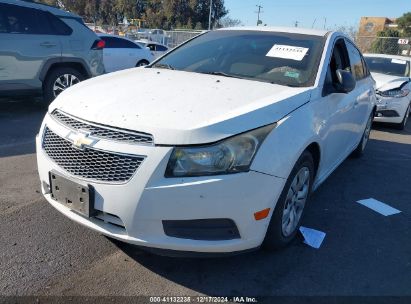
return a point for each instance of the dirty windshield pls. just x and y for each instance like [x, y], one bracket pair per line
[280, 58]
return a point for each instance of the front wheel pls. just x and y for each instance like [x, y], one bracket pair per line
[290, 207]
[142, 63]
[401, 125]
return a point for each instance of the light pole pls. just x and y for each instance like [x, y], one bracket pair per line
[258, 16]
[209, 16]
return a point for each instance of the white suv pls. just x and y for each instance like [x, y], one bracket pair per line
[44, 50]
[221, 147]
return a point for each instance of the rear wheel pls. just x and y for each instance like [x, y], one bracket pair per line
[401, 125]
[58, 80]
[359, 151]
[142, 63]
[289, 210]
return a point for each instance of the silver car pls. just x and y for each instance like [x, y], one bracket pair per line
[44, 50]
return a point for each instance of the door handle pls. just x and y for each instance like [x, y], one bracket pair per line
[47, 44]
[356, 103]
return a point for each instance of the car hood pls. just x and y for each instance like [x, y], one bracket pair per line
[388, 82]
[179, 108]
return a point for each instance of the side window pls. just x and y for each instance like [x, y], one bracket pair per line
[161, 48]
[3, 19]
[365, 67]
[117, 43]
[20, 20]
[129, 45]
[152, 47]
[339, 61]
[58, 26]
[356, 62]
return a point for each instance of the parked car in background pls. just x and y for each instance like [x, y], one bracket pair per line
[156, 49]
[44, 50]
[158, 35]
[221, 147]
[122, 53]
[392, 74]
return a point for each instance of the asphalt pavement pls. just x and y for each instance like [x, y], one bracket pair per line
[363, 254]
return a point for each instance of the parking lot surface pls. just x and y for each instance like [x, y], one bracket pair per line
[364, 253]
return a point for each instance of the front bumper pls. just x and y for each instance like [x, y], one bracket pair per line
[391, 110]
[134, 211]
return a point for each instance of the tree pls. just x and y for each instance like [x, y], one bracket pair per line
[229, 22]
[388, 45]
[404, 24]
[166, 14]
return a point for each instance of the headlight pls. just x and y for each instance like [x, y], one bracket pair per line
[231, 155]
[396, 93]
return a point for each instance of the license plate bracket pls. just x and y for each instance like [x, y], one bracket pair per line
[75, 195]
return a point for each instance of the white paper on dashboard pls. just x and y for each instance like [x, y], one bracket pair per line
[312, 237]
[398, 61]
[378, 206]
[287, 52]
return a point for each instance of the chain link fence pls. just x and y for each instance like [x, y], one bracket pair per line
[384, 45]
[169, 38]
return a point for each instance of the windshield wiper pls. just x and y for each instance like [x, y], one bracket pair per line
[222, 74]
[163, 66]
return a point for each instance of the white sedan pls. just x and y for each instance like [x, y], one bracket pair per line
[392, 74]
[121, 53]
[221, 147]
[156, 49]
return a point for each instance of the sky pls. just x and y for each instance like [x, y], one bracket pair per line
[331, 13]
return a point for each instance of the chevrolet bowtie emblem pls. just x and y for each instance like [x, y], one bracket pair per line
[81, 139]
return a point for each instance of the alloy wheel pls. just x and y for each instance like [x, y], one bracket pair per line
[63, 82]
[295, 202]
[366, 135]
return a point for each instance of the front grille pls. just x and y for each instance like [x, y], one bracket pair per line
[103, 132]
[90, 163]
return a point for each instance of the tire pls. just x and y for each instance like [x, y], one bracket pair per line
[142, 63]
[280, 234]
[359, 151]
[401, 125]
[57, 81]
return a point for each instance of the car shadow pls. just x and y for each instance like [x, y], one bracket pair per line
[357, 240]
[391, 128]
[20, 120]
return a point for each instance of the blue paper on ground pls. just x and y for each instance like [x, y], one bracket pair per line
[378, 206]
[312, 237]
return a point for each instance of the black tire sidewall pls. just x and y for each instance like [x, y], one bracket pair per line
[142, 61]
[401, 126]
[48, 95]
[274, 238]
[359, 151]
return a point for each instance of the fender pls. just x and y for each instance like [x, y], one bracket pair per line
[47, 65]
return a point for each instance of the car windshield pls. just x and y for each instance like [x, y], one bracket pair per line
[280, 58]
[389, 66]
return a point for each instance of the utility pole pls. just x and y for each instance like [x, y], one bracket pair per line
[258, 16]
[209, 16]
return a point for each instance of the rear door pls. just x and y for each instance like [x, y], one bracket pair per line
[120, 54]
[363, 93]
[28, 41]
[339, 108]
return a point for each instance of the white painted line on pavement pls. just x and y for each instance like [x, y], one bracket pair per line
[378, 206]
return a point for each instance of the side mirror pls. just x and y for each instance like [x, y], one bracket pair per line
[346, 82]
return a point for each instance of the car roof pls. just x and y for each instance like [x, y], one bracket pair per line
[115, 36]
[31, 4]
[387, 56]
[291, 30]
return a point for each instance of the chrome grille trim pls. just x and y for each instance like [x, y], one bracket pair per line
[102, 131]
[90, 163]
